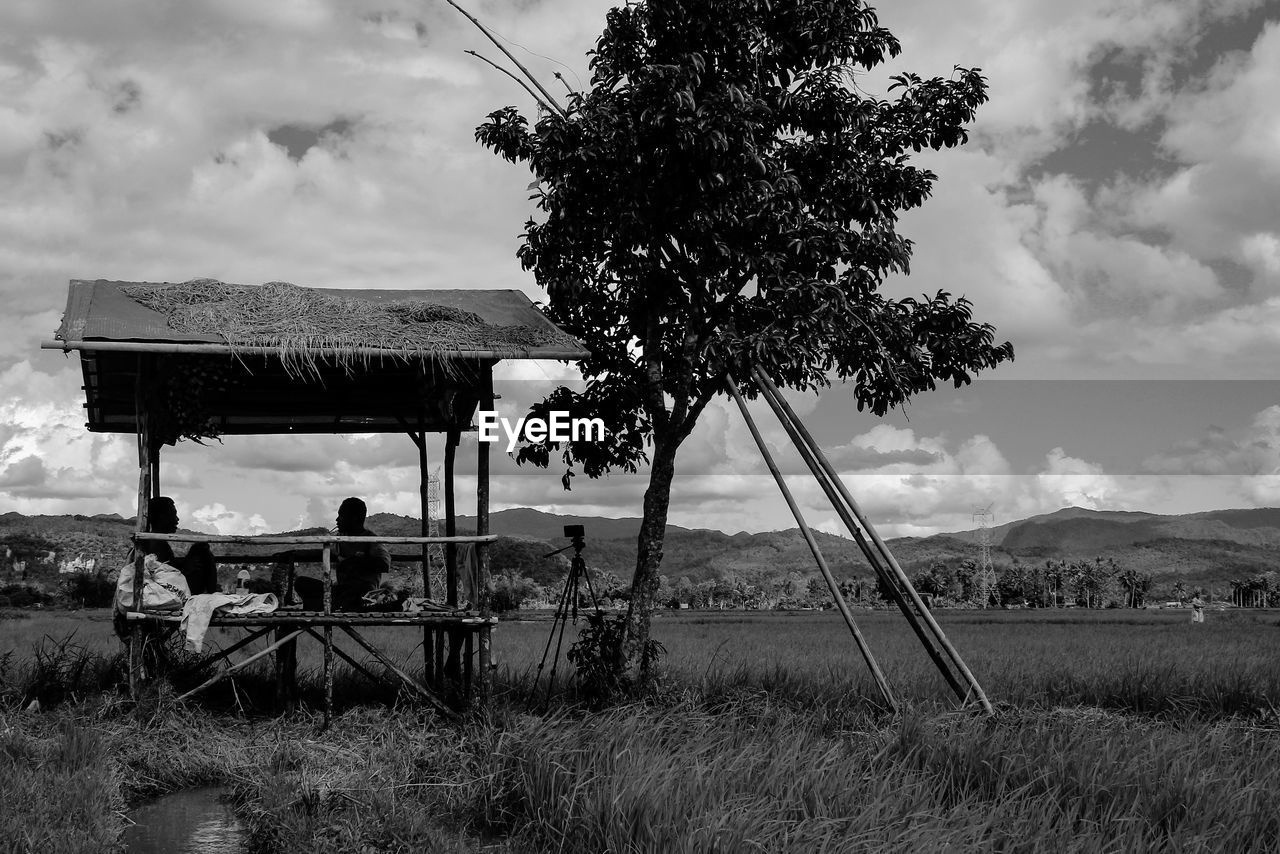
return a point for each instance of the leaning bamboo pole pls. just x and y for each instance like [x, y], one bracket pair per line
[783, 408]
[877, 674]
[887, 579]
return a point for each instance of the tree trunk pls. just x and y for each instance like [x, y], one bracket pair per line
[653, 531]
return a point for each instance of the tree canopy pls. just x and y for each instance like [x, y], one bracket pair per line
[725, 195]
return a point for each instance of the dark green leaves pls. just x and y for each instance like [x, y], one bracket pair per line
[722, 196]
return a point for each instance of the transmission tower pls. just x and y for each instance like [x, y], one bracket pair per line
[435, 551]
[986, 580]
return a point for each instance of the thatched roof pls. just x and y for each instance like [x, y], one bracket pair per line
[217, 359]
[304, 324]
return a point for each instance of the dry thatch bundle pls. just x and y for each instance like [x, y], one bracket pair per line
[308, 327]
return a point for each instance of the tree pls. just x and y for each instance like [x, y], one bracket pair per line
[1135, 584]
[817, 594]
[725, 197]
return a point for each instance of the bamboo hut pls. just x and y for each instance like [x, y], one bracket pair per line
[204, 359]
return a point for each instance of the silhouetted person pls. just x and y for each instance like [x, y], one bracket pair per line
[197, 566]
[360, 565]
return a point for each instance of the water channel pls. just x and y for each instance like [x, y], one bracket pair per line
[189, 821]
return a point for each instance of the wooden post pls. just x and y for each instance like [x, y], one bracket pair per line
[876, 673]
[452, 438]
[482, 549]
[787, 415]
[327, 569]
[142, 417]
[437, 672]
[155, 468]
[486, 665]
[424, 502]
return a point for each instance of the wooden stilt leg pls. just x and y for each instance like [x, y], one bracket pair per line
[438, 671]
[467, 669]
[428, 654]
[486, 667]
[135, 661]
[286, 671]
[328, 675]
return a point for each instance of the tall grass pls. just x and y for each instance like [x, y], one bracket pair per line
[639, 779]
[1134, 732]
[59, 791]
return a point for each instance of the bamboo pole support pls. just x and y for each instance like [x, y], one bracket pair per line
[485, 640]
[424, 502]
[975, 688]
[326, 565]
[286, 670]
[481, 549]
[338, 651]
[438, 671]
[222, 653]
[886, 578]
[452, 437]
[241, 665]
[450, 518]
[418, 689]
[154, 455]
[876, 673]
[314, 539]
[142, 418]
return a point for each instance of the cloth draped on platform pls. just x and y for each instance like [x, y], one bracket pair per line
[199, 610]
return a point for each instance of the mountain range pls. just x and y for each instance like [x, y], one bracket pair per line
[1205, 549]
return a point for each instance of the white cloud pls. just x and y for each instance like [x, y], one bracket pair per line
[1253, 452]
[223, 521]
[133, 144]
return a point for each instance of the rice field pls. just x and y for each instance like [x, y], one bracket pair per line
[1115, 731]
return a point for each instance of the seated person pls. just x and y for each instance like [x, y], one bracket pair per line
[360, 565]
[197, 566]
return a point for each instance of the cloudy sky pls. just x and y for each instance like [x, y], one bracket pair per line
[1116, 216]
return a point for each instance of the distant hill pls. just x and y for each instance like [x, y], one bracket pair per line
[1201, 548]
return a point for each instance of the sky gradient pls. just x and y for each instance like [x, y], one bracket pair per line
[1116, 215]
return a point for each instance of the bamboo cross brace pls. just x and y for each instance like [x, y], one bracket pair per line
[235, 667]
[408, 680]
[344, 655]
[222, 653]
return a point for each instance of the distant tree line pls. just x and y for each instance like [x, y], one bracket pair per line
[1100, 582]
[1096, 583]
[1259, 591]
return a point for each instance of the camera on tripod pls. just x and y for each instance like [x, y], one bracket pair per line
[567, 606]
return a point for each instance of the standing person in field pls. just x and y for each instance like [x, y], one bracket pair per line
[197, 566]
[1197, 609]
[360, 565]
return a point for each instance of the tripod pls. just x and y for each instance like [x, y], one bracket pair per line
[567, 606]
